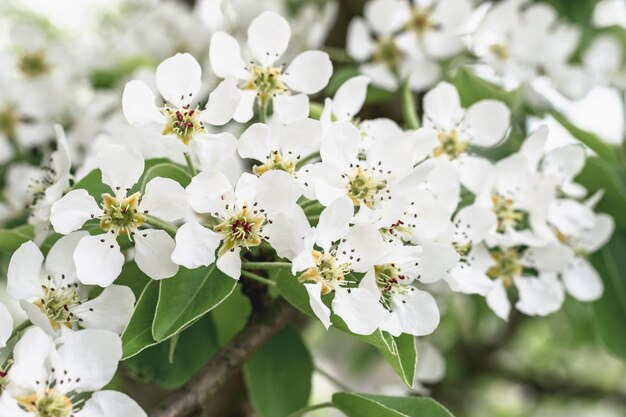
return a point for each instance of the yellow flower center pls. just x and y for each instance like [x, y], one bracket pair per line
[501, 51]
[266, 81]
[277, 162]
[121, 215]
[388, 52]
[362, 187]
[241, 230]
[327, 270]
[34, 64]
[9, 119]
[450, 144]
[56, 304]
[51, 404]
[506, 215]
[420, 21]
[507, 266]
[183, 123]
[389, 281]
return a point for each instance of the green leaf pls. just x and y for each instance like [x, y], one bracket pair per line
[134, 278]
[279, 375]
[138, 333]
[172, 364]
[603, 149]
[610, 310]
[472, 88]
[365, 405]
[165, 170]
[12, 239]
[231, 316]
[601, 175]
[187, 296]
[398, 351]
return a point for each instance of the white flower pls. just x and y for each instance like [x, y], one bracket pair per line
[98, 258]
[6, 326]
[178, 80]
[604, 60]
[240, 215]
[347, 102]
[282, 147]
[268, 38]
[53, 298]
[46, 380]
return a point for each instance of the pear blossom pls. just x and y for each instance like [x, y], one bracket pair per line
[178, 81]
[98, 258]
[347, 102]
[262, 79]
[53, 298]
[6, 326]
[240, 215]
[47, 378]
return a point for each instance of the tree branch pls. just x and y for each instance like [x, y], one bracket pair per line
[199, 390]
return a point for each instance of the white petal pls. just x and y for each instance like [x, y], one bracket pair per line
[487, 121]
[268, 37]
[309, 72]
[441, 44]
[121, 166]
[288, 109]
[60, 259]
[138, 104]
[475, 172]
[212, 149]
[436, 261]
[564, 163]
[111, 404]
[533, 146]
[359, 308]
[38, 318]
[225, 56]
[359, 44]
[195, 246]
[417, 311]
[334, 222]
[473, 224]
[442, 106]
[178, 79]
[165, 199]
[350, 97]
[222, 104]
[30, 356]
[539, 296]
[153, 253]
[24, 274]
[267, 195]
[498, 301]
[98, 260]
[468, 280]
[287, 231]
[599, 235]
[386, 16]
[72, 211]
[317, 305]
[301, 137]
[230, 263]
[381, 75]
[111, 310]
[582, 281]
[245, 110]
[88, 359]
[6, 325]
[208, 192]
[255, 143]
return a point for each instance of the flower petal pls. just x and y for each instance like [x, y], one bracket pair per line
[292, 108]
[317, 305]
[209, 192]
[24, 274]
[359, 44]
[178, 79]
[195, 246]
[309, 72]
[121, 166]
[498, 301]
[138, 104]
[98, 260]
[230, 263]
[60, 259]
[6, 325]
[539, 296]
[111, 310]
[165, 199]
[222, 104]
[487, 122]
[153, 253]
[417, 311]
[72, 211]
[254, 142]
[582, 281]
[350, 97]
[268, 37]
[442, 107]
[111, 404]
[334, 222]
[211, 149]
[225, 57]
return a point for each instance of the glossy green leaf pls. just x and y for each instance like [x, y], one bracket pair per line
[138, 333]
[279, 375]
[189, 351]
[187, 296]
[365, 405]
[398, 351]
[134, 278]
[165, 170]
[231, 316]
[610, 310]
[601, 175]
[472, 88]
[11, 239]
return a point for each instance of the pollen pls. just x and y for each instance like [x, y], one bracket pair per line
[362, 187]
[506, 215]
[450, 144]
[183, 123]
[327, 270]
[507, 266]
[121, 214]
[50, 403]
[390, 281]
[266, 81]
[275, 161]
[243, 229]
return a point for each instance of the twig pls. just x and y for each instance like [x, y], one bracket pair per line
[212, 377]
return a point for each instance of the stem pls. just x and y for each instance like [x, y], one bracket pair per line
[313, 218]
[192, 169]
[20, 328]
[161, 224]
[308, 158]
[409, 111]
[332, 379]
[308, 203]
[305, 410]
[257, 278]
[265, 266]
[262, 112]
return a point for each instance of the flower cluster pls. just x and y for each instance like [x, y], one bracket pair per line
[234, 165]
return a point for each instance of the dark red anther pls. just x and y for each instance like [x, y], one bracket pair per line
[179, 116]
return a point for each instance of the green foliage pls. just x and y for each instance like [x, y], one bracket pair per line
[473, 88]
[173, 363]
[365, 405]
[187, 296]
[398, 351]
[279, 375]
[165, 170]
[11, 239]
[138, 333]
[599, 174]
[231, 316]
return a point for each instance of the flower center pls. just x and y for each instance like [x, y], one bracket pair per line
[266, 81]
[241, 230]
[51, 404]
[388, 52]
[34, 64]
[500, 51]
[327, 270]
[183, 123]
[507, 266]
[121, 214]
[420, 21]
[389, 281]
[450, 144]
[9, 119]
[276, 161]
[57, 303]
[506, 215]
[362, 187]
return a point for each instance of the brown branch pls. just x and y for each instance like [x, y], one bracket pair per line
[202, 387]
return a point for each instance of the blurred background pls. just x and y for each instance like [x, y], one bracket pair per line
[475, 364]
